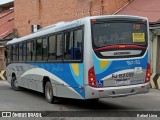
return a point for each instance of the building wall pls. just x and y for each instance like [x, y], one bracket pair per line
[6, 32]
[2, 59]
[47, 12]
[158, 55]
[155, 50]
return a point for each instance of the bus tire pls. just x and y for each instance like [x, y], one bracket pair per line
[14, 84]
[49, 92]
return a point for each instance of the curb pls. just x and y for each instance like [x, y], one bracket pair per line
[155, 81]
[3, 75]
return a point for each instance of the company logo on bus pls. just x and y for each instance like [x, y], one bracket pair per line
[122, 53]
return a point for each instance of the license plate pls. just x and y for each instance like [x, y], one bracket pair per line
[122, 82]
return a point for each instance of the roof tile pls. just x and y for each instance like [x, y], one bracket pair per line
[145, 8]
[6, 23]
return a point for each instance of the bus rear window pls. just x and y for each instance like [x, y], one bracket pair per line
[115, 33]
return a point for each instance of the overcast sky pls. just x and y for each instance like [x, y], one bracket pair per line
[5, 1]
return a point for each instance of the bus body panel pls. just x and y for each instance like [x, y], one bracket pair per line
[31, 76]
[105, 68]
[110, 73]
[70, 80]
[120, 91]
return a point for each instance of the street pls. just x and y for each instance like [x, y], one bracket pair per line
[27, 100]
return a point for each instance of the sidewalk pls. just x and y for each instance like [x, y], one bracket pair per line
[3, 82]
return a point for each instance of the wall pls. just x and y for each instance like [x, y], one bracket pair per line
[154, 50]
[2, 59]
[47, 12]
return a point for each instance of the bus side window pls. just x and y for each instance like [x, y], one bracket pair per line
[24, 51]
[68, 45]
[8, 54]
[78, 38]
[59, 52]
[39, 50]
[29, 51]
[11, 52]
[15, 52]
[73, 45]
[45, 48]
[52, 48]
[20, 52]
[33, 49]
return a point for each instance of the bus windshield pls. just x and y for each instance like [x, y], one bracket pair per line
[115, 33]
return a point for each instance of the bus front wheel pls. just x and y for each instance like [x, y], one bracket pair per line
[14, 84]
[49, 92]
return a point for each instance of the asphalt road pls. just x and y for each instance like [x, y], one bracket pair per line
[28, 100]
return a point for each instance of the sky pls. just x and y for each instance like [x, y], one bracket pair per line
[5, 1]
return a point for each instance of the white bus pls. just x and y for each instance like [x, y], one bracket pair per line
[89, 58]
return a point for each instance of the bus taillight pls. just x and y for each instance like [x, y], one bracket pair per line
[91, 78]
[148, 73]
[122, 46]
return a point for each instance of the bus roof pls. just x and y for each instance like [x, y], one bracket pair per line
[66, 25]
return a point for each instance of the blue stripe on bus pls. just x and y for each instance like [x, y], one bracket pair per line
[114, 66]
[66, 73]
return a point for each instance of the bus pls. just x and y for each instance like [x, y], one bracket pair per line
[89, 58]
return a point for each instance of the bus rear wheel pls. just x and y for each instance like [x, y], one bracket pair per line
[49, 92]
[14, 84]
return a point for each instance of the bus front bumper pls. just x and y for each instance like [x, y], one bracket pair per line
[119, 91]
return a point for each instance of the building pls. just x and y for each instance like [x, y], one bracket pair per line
[7, 31]
[155, 46]
[47, 12]
[151, 10]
